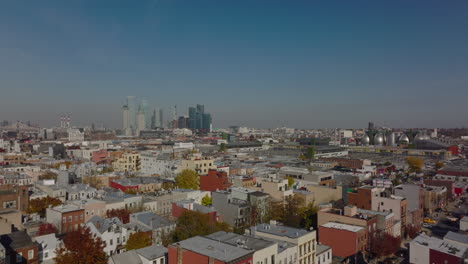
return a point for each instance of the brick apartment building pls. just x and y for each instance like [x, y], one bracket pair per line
[14, 197]
[65, 218]
[201, 250]
[345, 240]
[214, 180]
[443, 183]
[19, 248]
[362, 197]
[348, 163]
[350, 216]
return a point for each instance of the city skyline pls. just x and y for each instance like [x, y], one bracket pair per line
[256, 64]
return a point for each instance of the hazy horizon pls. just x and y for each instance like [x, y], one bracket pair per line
[265, 64]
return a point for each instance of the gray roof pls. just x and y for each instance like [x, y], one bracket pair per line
[126, 257]
[246, 242]
[282, 245]
[150, 219]
[16, 240]
[457, 237]
[321, 248]
[152, 252]
[464, 219]
[212, 248]
[102, 224]
[279, 230]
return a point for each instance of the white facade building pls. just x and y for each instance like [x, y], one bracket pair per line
[111, 231]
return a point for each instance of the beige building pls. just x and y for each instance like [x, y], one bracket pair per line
[10, 219]
[306, 241]
[127, 162]
[91, 207]
[199, 164]
[278, 189]
[324, 194]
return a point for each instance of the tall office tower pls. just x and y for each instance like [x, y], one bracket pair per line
[153, 120]
[192, 117]
[126, 121]
[132, 108]
[206, 122]
[141, 124]
[198, 119]
[161, 118]
[144, 107]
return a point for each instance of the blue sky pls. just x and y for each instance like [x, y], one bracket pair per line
[304, 64]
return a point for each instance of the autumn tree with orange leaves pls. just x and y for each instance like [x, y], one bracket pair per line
[122, 214]
[80, 247]
[40, 205]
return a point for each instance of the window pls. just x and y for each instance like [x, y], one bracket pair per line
[64, 219]
[70, 218]
[111, 242]
[81, 216]
[118, 240]
[19, 258]
[31, 254]
[46, 254]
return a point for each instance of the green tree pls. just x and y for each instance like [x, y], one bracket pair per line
[222, 147]
[193, 223]
[138, 240]
[415, 164]
[309, 216]
[310, 153]
[81, 247]
[188, 179]
[206, 200]
[290, 181]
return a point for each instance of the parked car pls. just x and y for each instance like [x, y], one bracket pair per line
[429, 220]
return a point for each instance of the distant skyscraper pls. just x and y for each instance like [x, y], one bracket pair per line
[198, 119]
[126, 121]
[161, 118]
[144, 108]
[132, 108]
[153, 120]
[141, 121]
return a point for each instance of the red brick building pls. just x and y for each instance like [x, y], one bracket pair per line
[201, 250]
[65, 218]
[361, 198]
[19, 248]
[123, 187]
[214, 180]
[14, 197]
[443, 183]
[345, 240]
[348, 163]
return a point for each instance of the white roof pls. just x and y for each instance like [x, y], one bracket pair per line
[335, 225]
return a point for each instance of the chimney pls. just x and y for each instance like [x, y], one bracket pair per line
[350, 210]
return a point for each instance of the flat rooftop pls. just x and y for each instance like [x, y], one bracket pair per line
[346, 227]
[444, 246]
[214, 249]
[280, 230]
